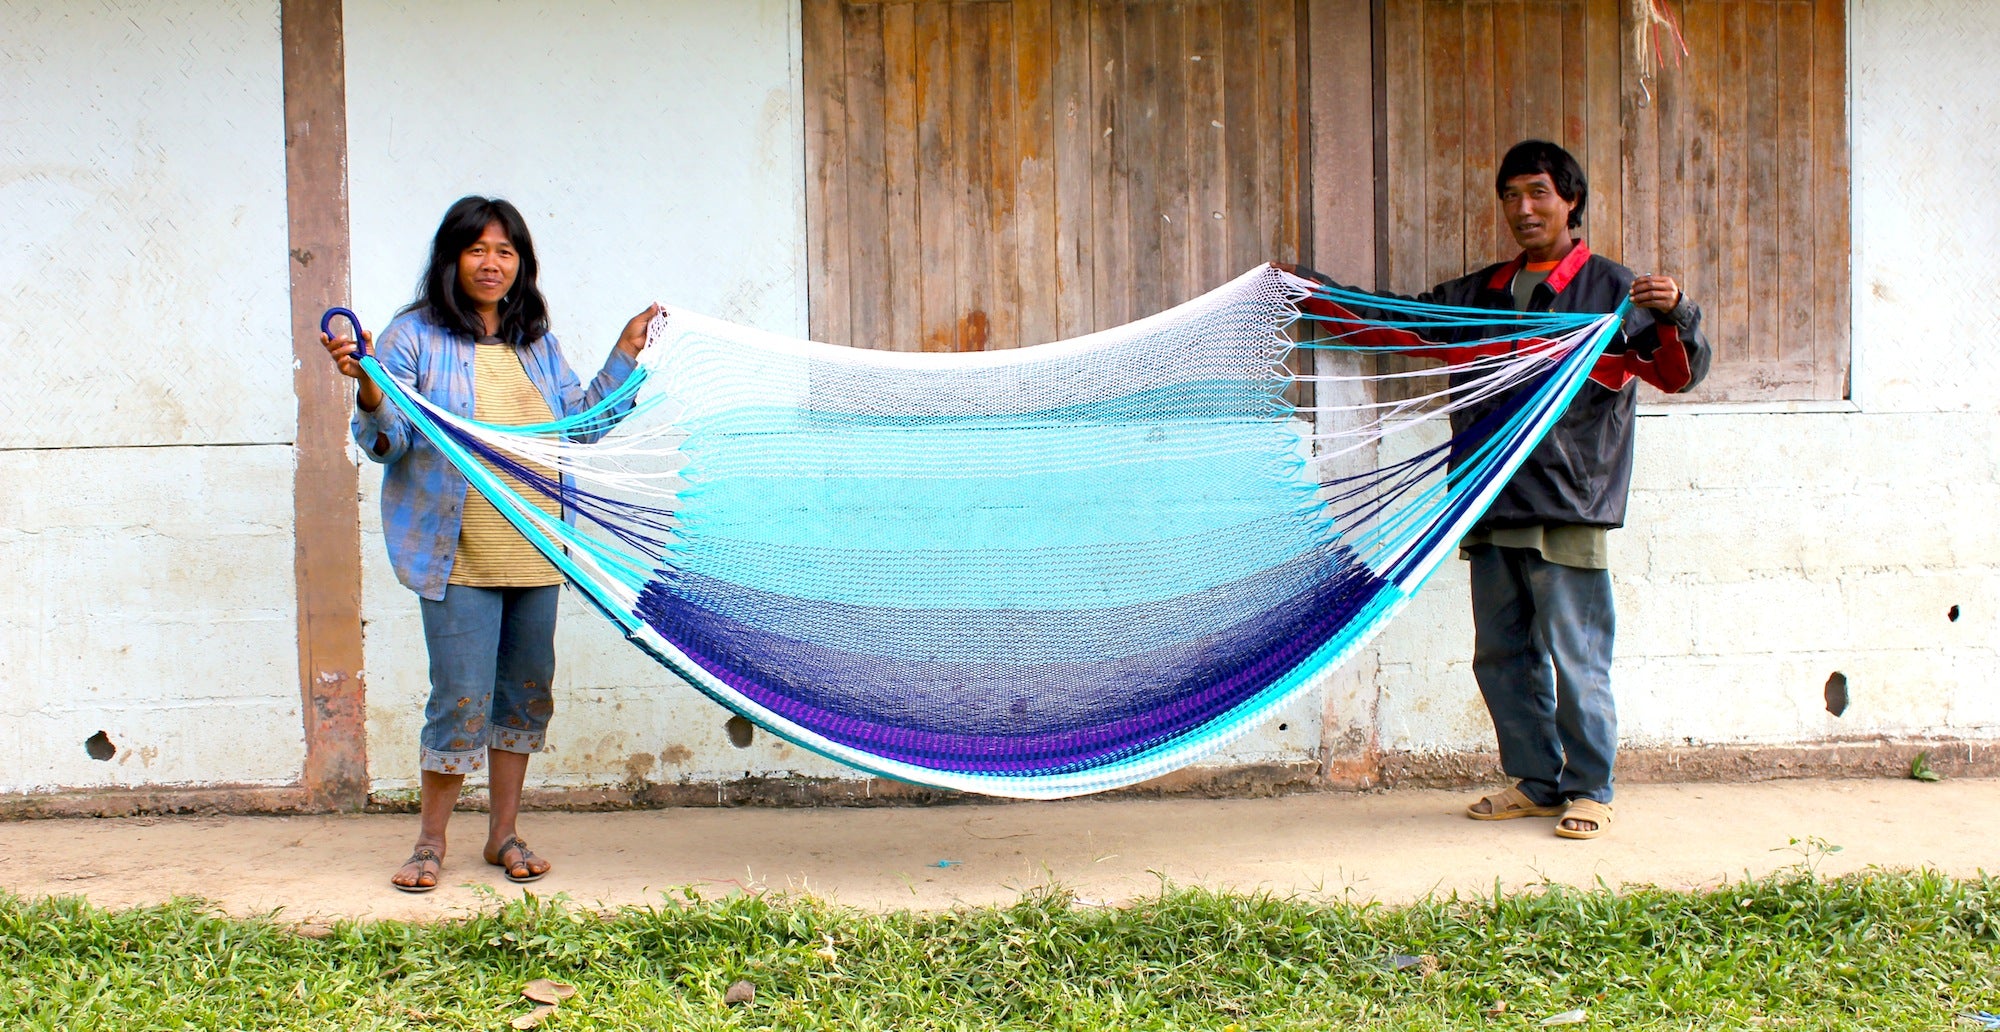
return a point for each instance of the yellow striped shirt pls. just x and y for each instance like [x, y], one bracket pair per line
[491, 553]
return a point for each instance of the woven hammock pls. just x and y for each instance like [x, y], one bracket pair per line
[1037, 572]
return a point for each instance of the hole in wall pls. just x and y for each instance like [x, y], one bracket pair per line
[1951, 614]
[1836, 693]
[99, 746]
[741, 731]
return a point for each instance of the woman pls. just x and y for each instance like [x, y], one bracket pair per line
[476, 343]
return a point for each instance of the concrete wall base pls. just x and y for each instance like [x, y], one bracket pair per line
[225, 799]
[1213, 783]
[1872, 758]
[1875, 758]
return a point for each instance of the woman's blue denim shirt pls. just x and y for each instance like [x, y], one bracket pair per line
[423, 497]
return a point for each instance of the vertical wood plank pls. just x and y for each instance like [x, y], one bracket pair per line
[326, 559]
[1686, 171]
[867, 273]
[1511, 69]
[1301, 96]
[1408, 86]
[1037, 248]
[1541, 70]
[1604, 143]
[1382, 61]
[1245, 158]
[1342, 73]
[1284, 132]
[972, 182]
[1210, 262]
[1794, 209]
[1001, 184]
[1485, 234]
[1731, 301]
[1690, 128]
[825, 101]
[1278, 123]
[1444, 217]
[1831, 243]
[1402, 32]
[1760, 168]
[900, 131]
[1575, 71]
[1070, 41]
[1111, 264]
[1170, 173]
[1144, 146]
[937, 176]
[1642, 167]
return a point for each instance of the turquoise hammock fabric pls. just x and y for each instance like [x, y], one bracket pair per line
[1033, 573]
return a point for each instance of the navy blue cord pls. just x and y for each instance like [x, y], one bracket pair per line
[326, 327]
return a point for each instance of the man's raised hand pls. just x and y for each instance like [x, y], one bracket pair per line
[1657, 292]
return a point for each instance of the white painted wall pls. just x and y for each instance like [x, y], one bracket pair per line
[657, 151]
[1765, 551]
[145, 435]
[149, 596]
[1926, 95]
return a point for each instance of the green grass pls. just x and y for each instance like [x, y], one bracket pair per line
[1881, 951]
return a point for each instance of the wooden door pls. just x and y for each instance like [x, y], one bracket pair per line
[993, 173]
[1728, 172]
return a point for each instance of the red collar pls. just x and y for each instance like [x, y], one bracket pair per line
[1559, 277]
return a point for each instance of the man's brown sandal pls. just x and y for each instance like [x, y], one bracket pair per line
[524, 859]
[1505, 806]
[1589, 811]
[423, 855]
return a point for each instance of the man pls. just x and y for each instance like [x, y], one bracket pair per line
[1541, 586]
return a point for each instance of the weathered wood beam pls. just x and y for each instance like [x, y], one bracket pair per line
[327, 524]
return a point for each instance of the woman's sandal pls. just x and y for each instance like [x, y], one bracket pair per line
[1505, 806]
[522, 859]
[423, 855]
[1590, 810]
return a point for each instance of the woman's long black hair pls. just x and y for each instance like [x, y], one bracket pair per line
[524, 315]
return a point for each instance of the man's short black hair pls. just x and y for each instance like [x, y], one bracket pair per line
[1534, 156]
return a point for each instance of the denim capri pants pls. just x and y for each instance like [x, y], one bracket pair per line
[493, 655]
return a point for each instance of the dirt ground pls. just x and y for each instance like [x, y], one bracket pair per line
[1391, 846]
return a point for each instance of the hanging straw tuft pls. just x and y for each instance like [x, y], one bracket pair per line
[1655, 31]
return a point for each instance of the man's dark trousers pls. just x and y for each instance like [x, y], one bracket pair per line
[1542, 656]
